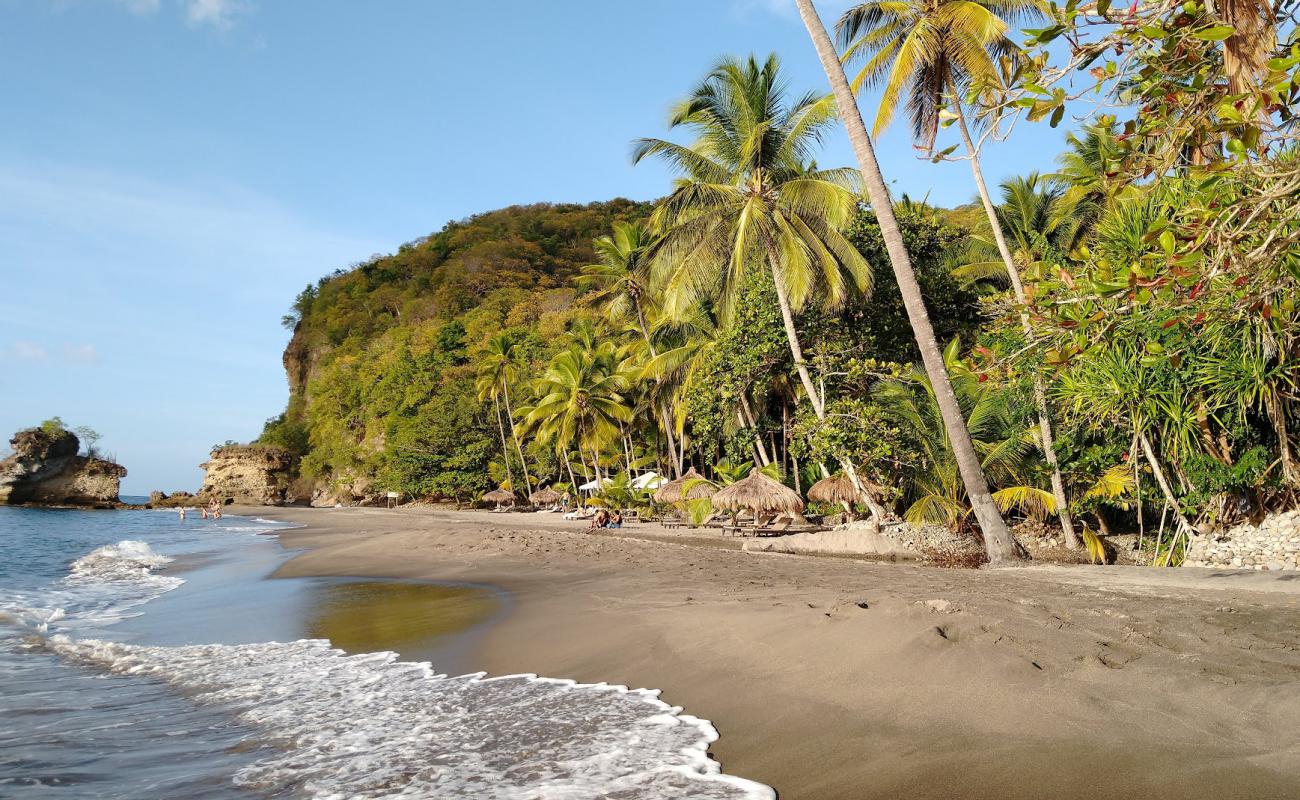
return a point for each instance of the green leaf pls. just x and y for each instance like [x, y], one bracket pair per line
[1167, 241]
[1214, 34]
[1102, 7]
[1056, 116]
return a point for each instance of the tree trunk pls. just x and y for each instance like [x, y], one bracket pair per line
[572, 480]
[1040, 395]
[748, 419]
[668, 429]
[674, 461]
[787, 317]
[505, 448]
[514, 433]
[1183, 525]
[998, 541]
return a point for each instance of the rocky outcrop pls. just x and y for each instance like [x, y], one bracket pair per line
[173, 500]
[1273, 545]
[46, 470]
[252, 475]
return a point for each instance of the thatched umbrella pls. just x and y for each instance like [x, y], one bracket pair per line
[671, 492]
[758, 493]
[545, 497]
[835, 489]
[500, 496]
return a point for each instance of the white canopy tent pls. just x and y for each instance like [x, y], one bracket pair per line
[648, 480]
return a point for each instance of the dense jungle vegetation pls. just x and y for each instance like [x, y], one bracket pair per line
[1113, 339]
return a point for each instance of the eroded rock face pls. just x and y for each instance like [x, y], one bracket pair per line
[46, 470]
[247, 475]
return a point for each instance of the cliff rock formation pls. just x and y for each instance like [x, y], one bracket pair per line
[46, 470]
[248, 475]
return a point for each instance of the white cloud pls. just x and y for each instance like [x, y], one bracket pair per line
[220, 14]
[29, 351]
[141, 7]
[82, 354]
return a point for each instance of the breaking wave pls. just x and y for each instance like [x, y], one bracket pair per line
[370, 726]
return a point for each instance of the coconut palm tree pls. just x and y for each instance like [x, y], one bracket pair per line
[501, 363]
[998, 542]
[618, 282]
[581, 401]
[748, 194]
[488, 386]
[935, 51]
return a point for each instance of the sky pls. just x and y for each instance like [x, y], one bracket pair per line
[173, 172]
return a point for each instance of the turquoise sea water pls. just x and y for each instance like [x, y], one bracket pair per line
[143, 656]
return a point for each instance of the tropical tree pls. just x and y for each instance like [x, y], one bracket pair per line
[938, 51]
[998, 542]
[747, 193]
[500, 368]
[488, 387]
[581, 402]
[934, 488]
[619, 282]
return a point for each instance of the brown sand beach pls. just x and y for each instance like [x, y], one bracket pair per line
[837, 678]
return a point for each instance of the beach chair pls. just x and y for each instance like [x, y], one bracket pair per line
[672, 522]
[777, 526]
[711, 521]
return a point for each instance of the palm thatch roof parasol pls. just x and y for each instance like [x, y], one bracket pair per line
[835, 489]
[500, 496]
[544, 497]
[758, 492]
[671, 492]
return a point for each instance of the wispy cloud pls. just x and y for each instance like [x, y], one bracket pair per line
[29, 351]
[81, 354]
[219, 14]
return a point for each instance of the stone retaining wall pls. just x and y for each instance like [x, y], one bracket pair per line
[1272, 545]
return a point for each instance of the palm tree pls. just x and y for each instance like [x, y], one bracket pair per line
[619, 282]
[502, 363]
[936, 492]
[747, 193]
[581, 401]
[488, 386]
[998, 542]
[935, 51]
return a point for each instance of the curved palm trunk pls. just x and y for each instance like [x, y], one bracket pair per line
[791, 334]
[668, 428]
[747, 419]
[505, 448]
[1040, 395]
[514, 433]
[998, 542]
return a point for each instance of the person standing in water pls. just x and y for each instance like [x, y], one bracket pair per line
[181, 511]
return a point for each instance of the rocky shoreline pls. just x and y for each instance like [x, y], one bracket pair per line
[46, 470]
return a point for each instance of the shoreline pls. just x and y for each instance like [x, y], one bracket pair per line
[837, 678]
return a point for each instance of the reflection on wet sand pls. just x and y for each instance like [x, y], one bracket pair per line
[412, 619]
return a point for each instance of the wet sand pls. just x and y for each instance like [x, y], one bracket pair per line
[836, 678]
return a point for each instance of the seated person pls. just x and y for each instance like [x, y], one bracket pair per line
[600, 519]
[616, 521]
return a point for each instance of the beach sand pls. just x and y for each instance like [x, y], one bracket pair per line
[838, 678]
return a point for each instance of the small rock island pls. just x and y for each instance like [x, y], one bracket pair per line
[47, 470]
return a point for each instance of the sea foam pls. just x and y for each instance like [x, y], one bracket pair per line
[371, 726]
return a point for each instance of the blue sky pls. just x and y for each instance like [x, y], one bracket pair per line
[173, 172]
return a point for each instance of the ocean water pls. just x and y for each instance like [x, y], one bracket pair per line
[146, 657]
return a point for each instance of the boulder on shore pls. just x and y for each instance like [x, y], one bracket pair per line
[46, 470]
[253, 475]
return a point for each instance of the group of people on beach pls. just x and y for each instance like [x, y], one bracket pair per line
[211, 511]
[605, 519]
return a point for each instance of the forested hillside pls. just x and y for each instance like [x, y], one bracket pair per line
[381, 363]
[385, 356]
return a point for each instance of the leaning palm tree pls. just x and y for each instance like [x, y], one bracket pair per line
[618, 282]
[935, 52]
[998, 542]
[501, 366]
[488, 387]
